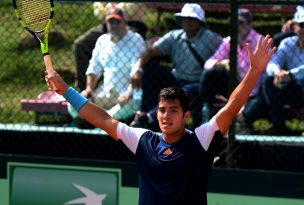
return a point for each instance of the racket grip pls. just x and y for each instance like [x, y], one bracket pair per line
[49, 68]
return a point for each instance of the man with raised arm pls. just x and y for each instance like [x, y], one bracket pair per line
[174, 166]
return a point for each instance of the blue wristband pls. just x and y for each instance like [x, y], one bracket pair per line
[74, 98]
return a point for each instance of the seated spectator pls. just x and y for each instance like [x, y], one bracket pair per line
[84, 44]
[285, 76]
[215, 77]
[113, 58]
[286, 31]
[188, 48]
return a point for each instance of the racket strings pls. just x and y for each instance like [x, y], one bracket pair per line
[35, 13]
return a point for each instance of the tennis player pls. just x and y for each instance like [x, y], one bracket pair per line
[174, 166]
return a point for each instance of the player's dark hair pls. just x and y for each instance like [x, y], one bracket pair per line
[172, 93]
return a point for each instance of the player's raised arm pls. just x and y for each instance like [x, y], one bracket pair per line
[89, 111]
[258, 61]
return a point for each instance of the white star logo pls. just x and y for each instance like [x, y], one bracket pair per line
[91, 197]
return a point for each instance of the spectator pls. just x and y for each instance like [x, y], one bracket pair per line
[113, 57]
[84, 44]
[179, 45]
[215, 77]
[286, 31]
[174, 167]
[284, 84]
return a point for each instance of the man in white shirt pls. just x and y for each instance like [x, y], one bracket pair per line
[113, 58]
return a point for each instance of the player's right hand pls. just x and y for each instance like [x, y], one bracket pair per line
[55, 79]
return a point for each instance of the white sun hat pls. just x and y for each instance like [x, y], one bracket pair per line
[299, 15]
[192, 11]
[300, 8]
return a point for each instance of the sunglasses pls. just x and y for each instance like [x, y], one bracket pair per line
[114, 21]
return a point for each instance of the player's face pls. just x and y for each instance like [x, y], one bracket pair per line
[171, 118]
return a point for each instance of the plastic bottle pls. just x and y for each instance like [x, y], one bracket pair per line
[137, 98]
[205, 113]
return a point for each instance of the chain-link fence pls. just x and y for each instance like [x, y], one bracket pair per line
[274, 108]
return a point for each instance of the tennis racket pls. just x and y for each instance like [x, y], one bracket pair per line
[36, 16]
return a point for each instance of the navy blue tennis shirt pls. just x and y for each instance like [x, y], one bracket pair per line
[173, 174]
